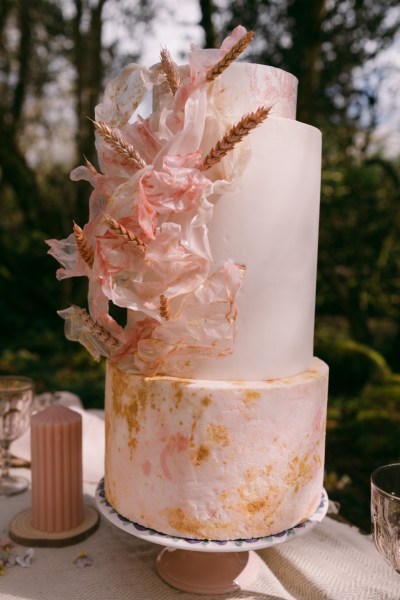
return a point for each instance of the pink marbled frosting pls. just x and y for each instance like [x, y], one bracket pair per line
[214, 459]
[246, 86]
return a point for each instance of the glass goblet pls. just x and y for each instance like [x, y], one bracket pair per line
[385, 513]
[16, 397]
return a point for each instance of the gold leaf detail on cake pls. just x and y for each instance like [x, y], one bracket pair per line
[85, 251]
[230, 56]
[250, 396]
[218, 434]
[232, 313]
[201, 454]
[206, 401]
[235, 135]
[116, 141]
[97, 329]
[302, 469]
[165, 312]
[192, 526]
[178, 393]
[264, 507]
[129, 401]
[170, 70]
[124, 232]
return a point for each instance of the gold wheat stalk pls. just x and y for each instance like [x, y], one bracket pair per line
[90, 167]
[235, 135]
[170, 71]
[84, 249]
[164, 308]
[124, 232]
[97, 329]
[230, 56]
[116, 141]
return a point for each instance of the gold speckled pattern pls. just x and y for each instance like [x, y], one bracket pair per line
[190, 526]
[218, 460]
[129, 402]
[206, 401]
[251, 396]
[201, 454]
[302, 469]
[218, 434]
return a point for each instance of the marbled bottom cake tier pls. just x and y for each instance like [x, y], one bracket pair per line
[215, 459]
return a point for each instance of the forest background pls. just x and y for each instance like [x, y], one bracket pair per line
[55, 56]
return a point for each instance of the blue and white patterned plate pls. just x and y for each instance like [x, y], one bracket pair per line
[163, 539]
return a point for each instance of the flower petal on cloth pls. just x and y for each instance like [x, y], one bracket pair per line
[83, 560]
[25, 560]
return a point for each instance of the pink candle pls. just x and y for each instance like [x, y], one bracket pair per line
[56, 444]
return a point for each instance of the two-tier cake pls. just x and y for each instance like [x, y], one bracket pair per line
[203, 224]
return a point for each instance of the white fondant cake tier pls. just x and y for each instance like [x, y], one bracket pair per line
[269, 223]
[215, 459]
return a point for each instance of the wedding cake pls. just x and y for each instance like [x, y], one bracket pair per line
[203, 224]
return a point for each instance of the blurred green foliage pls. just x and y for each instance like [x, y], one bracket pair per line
[363, 433]
[352, 365]
[55, 364]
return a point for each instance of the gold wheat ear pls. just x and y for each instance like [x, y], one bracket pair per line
[124, 232]
[97, 329]
[235, 135]
[230, 56]
[90, 167]
[171, 71]
[116, 141]
[165, 312]
[84, 249]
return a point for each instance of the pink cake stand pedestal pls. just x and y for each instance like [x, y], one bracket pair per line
[207, 566]
[208, 572]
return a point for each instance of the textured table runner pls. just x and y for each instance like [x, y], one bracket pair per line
[333, 561]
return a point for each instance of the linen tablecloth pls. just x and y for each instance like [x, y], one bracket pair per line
[332, 561]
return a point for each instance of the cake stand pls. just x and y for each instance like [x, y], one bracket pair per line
[207, 566]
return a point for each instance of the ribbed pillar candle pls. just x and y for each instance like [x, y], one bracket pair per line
[57, 493]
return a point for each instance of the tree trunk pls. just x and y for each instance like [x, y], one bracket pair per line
[20, 177]
[348, 302]
[307, 40]
[24, 55]
[207, 8]
[89, 74]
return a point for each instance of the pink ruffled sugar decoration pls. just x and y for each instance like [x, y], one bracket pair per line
[145, 246]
